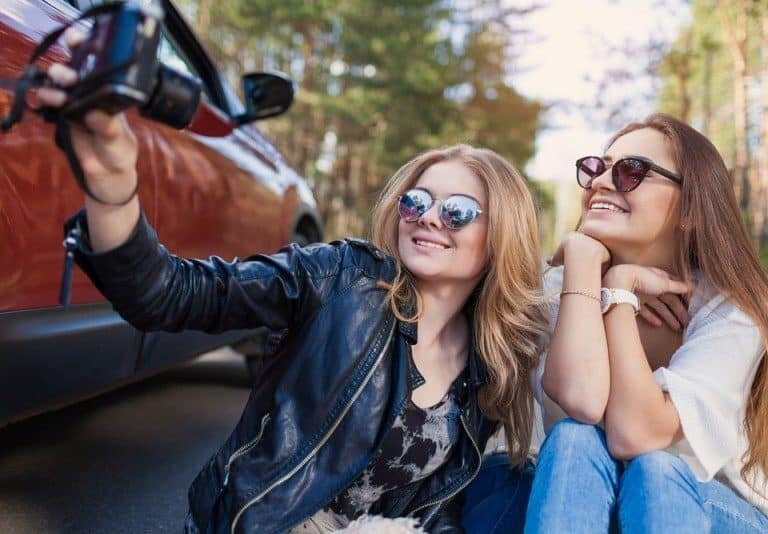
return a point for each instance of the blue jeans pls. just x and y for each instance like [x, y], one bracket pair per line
[579, 487]
[496, 500]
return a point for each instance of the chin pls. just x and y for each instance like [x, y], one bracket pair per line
[420, 269]
[606, 237]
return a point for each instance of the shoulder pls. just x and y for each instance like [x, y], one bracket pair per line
[324, 259]
[711, 308]
[719, 325]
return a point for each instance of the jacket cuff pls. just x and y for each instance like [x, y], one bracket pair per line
[123, 259]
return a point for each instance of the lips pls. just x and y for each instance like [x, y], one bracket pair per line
[427, 243]
[605, 205]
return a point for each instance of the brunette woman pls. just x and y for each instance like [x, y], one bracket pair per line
[398, 358]
[651, 428]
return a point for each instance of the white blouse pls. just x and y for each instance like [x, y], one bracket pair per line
[708, 380]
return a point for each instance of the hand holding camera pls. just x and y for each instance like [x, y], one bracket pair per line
[107, 151]
[104, 144]
[112, 68]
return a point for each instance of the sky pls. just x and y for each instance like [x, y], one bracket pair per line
[567, 42]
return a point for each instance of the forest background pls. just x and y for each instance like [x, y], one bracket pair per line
[382, 80]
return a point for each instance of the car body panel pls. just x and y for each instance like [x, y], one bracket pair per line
[212, 188]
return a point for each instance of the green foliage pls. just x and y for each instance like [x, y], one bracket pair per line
[701, 84]
[387, 78]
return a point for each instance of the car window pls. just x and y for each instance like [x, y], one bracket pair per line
[171, 55]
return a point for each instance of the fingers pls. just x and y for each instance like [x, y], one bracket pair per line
[677, 306]
[49, 97]
[62, 75]
[662, 311]
[73, 37]
[649, 317]
[678, 287]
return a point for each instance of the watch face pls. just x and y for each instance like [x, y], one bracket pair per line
[605, 300]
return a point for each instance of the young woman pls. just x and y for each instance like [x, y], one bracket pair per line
[654, 428]
[399, 357]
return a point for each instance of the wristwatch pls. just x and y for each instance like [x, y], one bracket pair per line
[610, 296]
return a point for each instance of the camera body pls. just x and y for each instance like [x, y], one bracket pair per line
[117, 68]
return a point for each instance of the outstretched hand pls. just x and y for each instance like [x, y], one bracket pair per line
[104, 144]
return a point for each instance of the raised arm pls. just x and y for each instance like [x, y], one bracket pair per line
[151, 288]
[107, 151]
[640, 416]
[576, 374]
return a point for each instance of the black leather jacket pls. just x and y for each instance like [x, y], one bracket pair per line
[341, 375]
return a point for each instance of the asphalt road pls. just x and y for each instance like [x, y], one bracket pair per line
[121, 462]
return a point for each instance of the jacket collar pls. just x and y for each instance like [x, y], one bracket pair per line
[478, 372]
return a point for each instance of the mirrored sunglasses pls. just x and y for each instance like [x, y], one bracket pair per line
[456, 211]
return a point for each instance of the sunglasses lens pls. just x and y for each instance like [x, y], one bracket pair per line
[587, 169]
[413, 204]
[628, 173]
[458, 211]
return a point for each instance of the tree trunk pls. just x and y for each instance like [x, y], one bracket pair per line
[735, 33]
[761, 217]
[709, 53]
[203, 22]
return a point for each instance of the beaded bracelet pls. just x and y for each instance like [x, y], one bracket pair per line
[582, 293]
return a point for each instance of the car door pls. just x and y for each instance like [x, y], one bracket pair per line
[48, 356]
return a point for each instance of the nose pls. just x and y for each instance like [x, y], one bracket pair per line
[604, 180]
[431, 217]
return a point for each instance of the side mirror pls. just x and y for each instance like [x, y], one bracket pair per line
[266, 95]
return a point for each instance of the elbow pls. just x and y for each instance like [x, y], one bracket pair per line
[625, 446]
[590, 414]
[585, 405]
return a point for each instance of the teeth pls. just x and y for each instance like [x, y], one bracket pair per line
[606, 206]
[429, 244]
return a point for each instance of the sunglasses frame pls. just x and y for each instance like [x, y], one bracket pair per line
[479, 211]
[650, 166]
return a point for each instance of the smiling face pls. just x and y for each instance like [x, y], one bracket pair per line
[638, 226]
[432, 252]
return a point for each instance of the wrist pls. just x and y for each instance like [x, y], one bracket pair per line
[113, 191]
[619, 277]
[575, 253]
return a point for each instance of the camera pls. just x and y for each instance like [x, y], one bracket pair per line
[117, 68]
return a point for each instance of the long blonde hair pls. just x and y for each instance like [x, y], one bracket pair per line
[508, 313]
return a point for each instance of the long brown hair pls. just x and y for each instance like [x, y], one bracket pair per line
[508, 314]
[713, 222]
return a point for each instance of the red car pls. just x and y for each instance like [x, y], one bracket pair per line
[218, 187]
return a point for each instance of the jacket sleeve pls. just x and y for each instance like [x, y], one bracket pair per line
[155, 290]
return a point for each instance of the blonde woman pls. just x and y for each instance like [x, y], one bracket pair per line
[399, 357]
[654, 428]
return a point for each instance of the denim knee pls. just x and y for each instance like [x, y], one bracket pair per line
[659, 492]
[569, 433]
[656, 467]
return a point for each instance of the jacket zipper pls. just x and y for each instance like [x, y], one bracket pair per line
[70, 244]
[325, 437]
[245, 448]
[466, 483]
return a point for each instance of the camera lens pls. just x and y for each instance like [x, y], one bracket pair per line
[175, 98]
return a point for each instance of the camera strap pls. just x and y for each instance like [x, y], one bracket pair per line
[33, 77]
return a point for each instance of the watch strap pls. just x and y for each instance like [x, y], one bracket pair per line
[611, 296]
